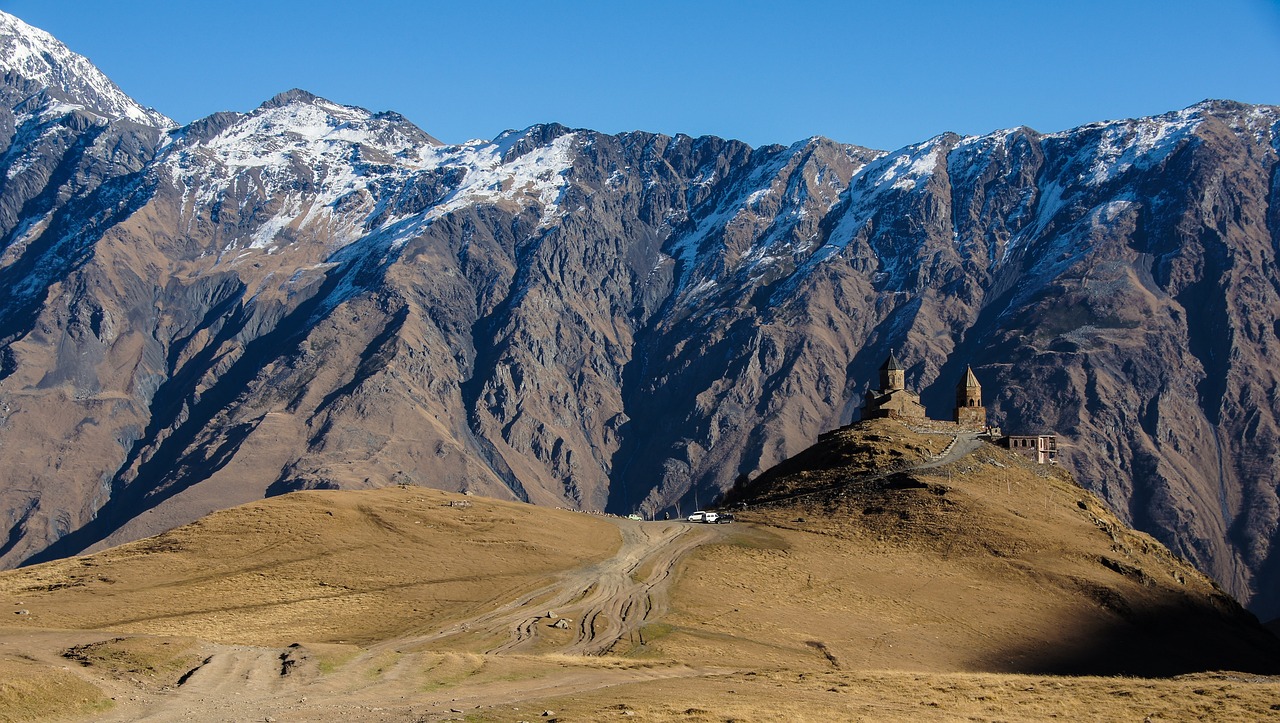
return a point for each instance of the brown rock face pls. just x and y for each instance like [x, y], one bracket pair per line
[313, 295]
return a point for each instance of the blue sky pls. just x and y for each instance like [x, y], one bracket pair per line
[881, 74]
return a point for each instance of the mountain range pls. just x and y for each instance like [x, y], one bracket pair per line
[312, 295]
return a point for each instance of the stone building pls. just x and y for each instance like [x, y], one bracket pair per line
[1042, 448]
[969, 412]
[893, 399]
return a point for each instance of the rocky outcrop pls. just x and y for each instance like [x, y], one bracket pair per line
[313, 295]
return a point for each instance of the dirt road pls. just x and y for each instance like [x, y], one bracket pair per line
[603, 604]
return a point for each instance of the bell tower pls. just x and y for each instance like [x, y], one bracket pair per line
[969, 410]
[892, 376]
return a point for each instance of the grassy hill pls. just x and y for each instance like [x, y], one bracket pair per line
[355, 567]
[867, 577]
[988, 563]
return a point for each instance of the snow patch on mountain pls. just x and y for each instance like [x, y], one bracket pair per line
[777, 205]
[314, 154]
[907, 171]
[539, 175]
[1120, 146]
[38, 57]
[873, 187]
[1262, 122]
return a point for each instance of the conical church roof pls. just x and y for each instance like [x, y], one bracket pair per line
[969, 380]
[891, 364]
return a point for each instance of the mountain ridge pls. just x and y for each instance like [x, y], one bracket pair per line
[313, 295]
[41, 59]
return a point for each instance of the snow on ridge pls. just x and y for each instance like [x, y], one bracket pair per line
[271, 138]
[899, 172]
[738, 208]
[37, 56]
[785, 190]
[308, 154]
[1262, 122]
[910, 166]
[539, 174]
[1098, 153]
[1084, 157]
[870, 190]
[971, 154]
[794, 200]
[1116, 147]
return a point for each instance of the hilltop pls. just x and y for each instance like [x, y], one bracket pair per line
[867, 568]
[1004, 564]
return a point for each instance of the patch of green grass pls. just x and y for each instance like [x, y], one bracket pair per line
[382, 664]
[331, 658]
[651, 633]
[164, 660]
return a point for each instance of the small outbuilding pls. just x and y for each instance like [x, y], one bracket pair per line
[1042, 448]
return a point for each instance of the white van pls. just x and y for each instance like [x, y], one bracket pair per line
[708, 517]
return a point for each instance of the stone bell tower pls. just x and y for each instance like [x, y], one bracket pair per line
[969, 410]
[892, 376]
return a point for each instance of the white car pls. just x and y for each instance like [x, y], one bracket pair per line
[709, 517]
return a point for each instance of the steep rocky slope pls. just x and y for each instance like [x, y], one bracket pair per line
[313, 295]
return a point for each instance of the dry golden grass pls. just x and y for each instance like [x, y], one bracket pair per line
[987, 564]
[32, 691]
[772, 695]
[354, 567]
[941, 593]
[155, 661]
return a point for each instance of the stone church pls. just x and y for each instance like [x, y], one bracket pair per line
[894, 400]
[969, 412]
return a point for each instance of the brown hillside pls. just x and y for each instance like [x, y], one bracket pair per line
[925, 593]
[319, 566]
[986, 563]
[247, 309]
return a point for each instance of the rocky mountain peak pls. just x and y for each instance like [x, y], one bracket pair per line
[301, 161]
[39, 61]
[293, 95]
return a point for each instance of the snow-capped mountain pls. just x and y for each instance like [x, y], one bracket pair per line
[315, 295]
[34, 61]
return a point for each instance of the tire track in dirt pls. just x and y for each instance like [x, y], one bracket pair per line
[635, 594]
[610, 599]
[230, 679]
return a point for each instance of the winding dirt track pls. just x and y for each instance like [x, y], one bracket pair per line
[607, 602]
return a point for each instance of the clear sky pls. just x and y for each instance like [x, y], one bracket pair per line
[882, 74]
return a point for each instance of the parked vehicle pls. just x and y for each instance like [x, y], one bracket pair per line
[708, 517]
[724, 518]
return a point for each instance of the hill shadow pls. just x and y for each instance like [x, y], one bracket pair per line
[1161, 641]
